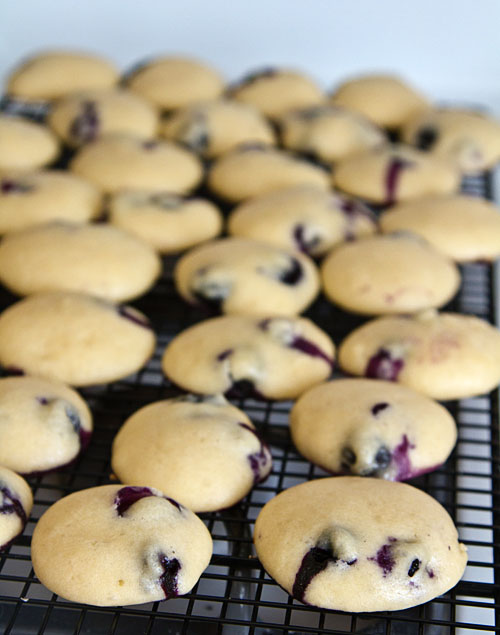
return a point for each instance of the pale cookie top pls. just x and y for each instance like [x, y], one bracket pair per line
[211, 128]
[371, 427]
[359, 544]
[74, 338]
[203, 452]
[391, 174]
[386, 100]
[117, 545]
[242, 276]
[25, 145]
[396, 273]
[119, 162]
[304, 217]
[55, 74]
[43, 424]
[445, 356]
[16, 501]
[271, 358]
[175, 82]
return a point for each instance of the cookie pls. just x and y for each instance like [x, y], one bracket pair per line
[16, 501]
[211, 128]
[203, 452]
[74, 338]
[118, 545]
[329, 133]
[40, 197]
[268, 358]
[470, 139]
[54, 74]
[444, 356]
[120, 162]
[465, 228]
[386, 100]
[97, 259]
[25, 145]
[359, 544]
[276, 91]
[175, 82]
[251, 170]
[372, 428]
[303, 217]
[43, 424]
[235, 275]
[396, 273]
[392, 174]
[83, 117]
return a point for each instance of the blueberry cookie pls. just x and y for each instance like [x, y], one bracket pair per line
[54, 74]
[25, 145]
[235, 275]
[397, 273]
[43, 424]
[16, 501]
[117, 545]
[470, 139]
[251, 170]
[444, 356]
[372, 428]
[213, 127]
[359, 544]
[83, 117]
[465, 228]
[120, 162]
[97, 259]
[40, 197]
[384, 99]
[268, 358]
[304, 217]
[74, 338]
[276, 91]
[175, 82]
[168, 222]
[329, 133]
[397, 173]
[203, 452]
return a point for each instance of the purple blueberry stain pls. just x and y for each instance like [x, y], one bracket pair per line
[394, 170]
[384, 365]
[306, 244]
[379, 407]
[414, 567]
[426, 137]
[225, 354]
[11, 504]
[353, 210]
[127, 313]
[127, 496]
[9, 186]
[243, 389]
[314, 562]
[309, 348]
[259, 461]
[85, 126]
[169, 577]
[385, 557]
[293, 274]
[430, 572]
[401, 458]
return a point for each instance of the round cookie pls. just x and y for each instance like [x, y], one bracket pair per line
[359, 544]
[370, 427]
[120, 162]
[166, 221]
[203, 452]
[386, 100]
[235, 275]
[276, 91]
[84, 117]
[118, 545]
[392, 174]
[25, 145]
[174, 82]
[396, 273]
[211, 128]
[465, 228]
[444, 356]
[74, 338]
[44, 425]
[101, 260]
[329, 133]
[303, 217]
[251, 170]
[271, 358]
[54, 74]
[16, 501]
[35, 198]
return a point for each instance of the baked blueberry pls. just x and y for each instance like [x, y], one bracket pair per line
[16, 502]
[85, 127]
